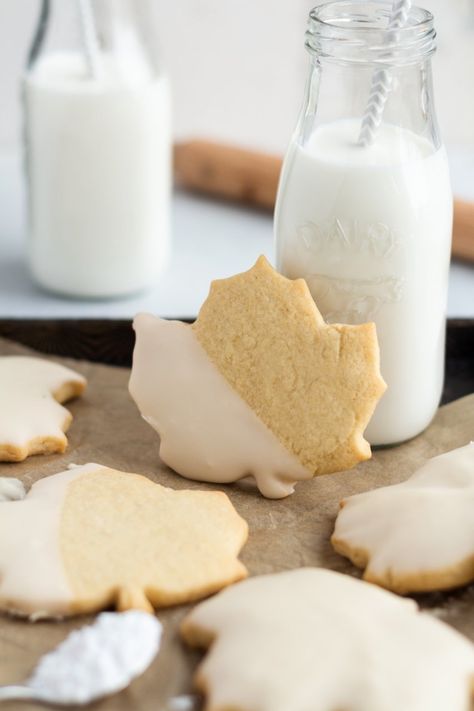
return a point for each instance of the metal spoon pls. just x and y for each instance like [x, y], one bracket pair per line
[8, 693]
[92, 661]
[186, 702]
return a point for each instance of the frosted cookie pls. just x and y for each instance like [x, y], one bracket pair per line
[416, 536]
[258, 385]
[92, 537]
[32, 420]
[319, 640]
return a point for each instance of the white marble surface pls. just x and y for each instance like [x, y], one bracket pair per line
[211, 240]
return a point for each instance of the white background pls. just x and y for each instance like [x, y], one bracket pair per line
[238, 66]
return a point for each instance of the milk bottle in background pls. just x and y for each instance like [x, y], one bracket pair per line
[98, 152]
[369, 227]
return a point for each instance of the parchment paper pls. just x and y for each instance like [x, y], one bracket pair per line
[284, 534]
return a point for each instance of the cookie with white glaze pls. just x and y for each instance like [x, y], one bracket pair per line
[260, 385]
[417, 536]
[93, 537]
[319, 640]
[32, 419]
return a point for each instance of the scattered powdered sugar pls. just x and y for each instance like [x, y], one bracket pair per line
[186, 702]
[99, 659]
[11, 489]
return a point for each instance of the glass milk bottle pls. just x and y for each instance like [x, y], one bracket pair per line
[98, 149]
[369, 227]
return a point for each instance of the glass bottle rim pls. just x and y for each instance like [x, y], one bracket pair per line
[357, 31]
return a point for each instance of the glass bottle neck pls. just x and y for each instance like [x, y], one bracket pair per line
[367, 61]
[123, 30]
[370, 32]
[338, 91]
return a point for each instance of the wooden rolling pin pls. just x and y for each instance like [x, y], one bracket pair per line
[463, 231]
[252, 178]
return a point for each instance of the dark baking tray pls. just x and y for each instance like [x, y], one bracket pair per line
[111, 342]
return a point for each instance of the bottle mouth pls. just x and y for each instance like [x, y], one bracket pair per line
[357, 31]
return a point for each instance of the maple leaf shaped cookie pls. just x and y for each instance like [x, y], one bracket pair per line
[316, 640]
[32, 420]
[416, 536]
[259, 385]
[91, 537]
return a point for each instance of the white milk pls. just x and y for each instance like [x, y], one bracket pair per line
[98, 158]
[370, 231]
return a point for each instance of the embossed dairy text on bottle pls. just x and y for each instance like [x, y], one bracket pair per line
[369, 227]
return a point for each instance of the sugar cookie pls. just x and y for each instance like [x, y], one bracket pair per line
[91, 537]
[207, 431]
[416, 536]
[32, 420]
[258, 385]
[316, 639]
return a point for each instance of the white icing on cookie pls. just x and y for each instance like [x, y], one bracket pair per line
[30, 413]
[319, 640]
[207, 431]
[418, 535]
[11, 489]
[31, 569]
